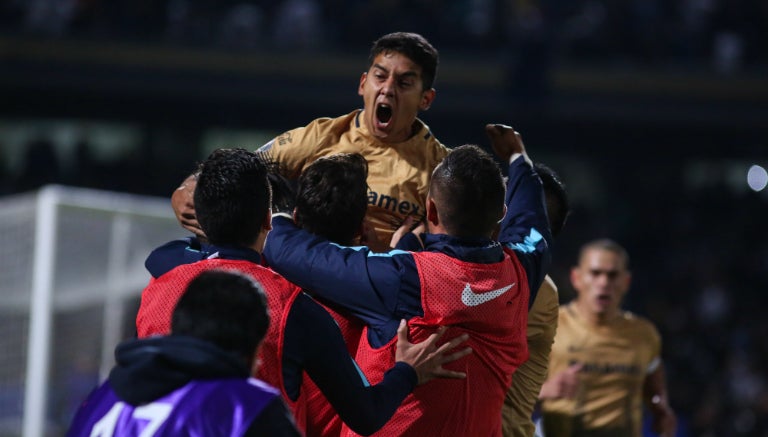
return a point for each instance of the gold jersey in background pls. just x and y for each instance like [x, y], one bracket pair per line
[616, 358]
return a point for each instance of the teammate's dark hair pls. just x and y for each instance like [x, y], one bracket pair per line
[556, 196]
[332, 197]
[605, 244]
[415, 47]
[227, 309]
[469, 192]
[232, 196]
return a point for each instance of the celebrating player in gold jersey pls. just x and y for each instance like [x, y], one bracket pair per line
[400, 149]
[605, 362]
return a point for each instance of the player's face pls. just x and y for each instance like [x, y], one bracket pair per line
[601, 279]
[392, 97]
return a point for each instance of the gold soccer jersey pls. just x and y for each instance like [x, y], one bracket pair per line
[615, 359]
[398, 174]
[527, 380]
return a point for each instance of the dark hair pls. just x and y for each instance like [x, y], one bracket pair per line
[469, 192]
[283, 188]
[415, 47]
[232, 196]
[332, 196]
[605, 244]
[556, 197]
[228, 309]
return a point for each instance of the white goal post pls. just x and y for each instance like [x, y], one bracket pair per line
[72, 269]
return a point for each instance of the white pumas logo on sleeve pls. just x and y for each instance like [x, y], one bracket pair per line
[472, 299]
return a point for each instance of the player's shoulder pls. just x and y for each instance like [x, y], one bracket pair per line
[269, 278]
[547, 299]
[318, 129]
[342, 120]
[548, 285]
[425, 134]
[236, 391]
[638, 323]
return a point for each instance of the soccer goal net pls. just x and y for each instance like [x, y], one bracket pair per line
[72, 271]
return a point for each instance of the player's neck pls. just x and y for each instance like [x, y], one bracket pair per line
[395, 137]
[593, 318]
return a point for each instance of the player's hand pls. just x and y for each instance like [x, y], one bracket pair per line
[563, 385]
[664, 422]
[426, 357]
[183, 204]
[406, 227]
[505, 142]
[369, 238]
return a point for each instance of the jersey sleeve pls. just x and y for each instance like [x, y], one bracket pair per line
[364, 408]
[294, 148]
[173, 254]
[654, 344]
[527, 380]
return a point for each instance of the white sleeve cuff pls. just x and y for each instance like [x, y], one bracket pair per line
[654, 364]
[518, 155]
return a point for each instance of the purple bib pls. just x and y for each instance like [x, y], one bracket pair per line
[224, 407]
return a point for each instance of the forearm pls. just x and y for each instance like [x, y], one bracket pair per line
[365, 409]
[657, 403]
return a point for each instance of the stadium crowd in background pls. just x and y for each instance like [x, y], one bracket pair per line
[723, 35]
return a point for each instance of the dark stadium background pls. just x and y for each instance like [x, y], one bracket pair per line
[652, 111]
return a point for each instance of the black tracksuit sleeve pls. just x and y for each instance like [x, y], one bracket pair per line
[313, 342]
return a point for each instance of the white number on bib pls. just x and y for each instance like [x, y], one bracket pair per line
[155, 414]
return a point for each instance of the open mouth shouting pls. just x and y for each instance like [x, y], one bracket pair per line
[383, 115]
[604, 300]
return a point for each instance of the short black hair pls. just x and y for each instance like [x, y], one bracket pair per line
[227, 309]
[556, 197]
[332, 196]
[232, 196]
[605, 244]
[415, 47]
[468, 189]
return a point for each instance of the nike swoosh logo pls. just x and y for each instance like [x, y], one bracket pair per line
[472, 299]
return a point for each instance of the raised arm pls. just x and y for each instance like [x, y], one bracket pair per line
[525, 227]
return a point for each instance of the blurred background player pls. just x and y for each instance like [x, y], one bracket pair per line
[520, 401]
[400, 149]
[605, 363]
[195, 381]
[463, 278]
[233, 197]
